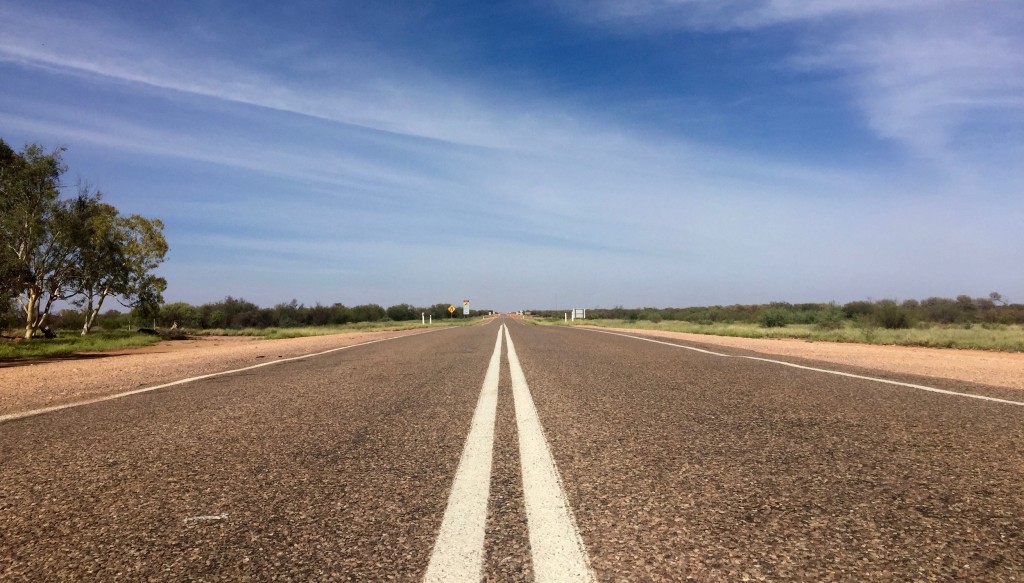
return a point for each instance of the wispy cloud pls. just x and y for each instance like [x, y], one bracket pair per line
[347, 164]
[922, 72]
[356, 91]
[654, 15]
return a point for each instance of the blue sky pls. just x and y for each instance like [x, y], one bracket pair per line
[543, 154]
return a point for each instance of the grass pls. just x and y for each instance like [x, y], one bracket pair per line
[70, 341]
[1002, 338]
[303, 331]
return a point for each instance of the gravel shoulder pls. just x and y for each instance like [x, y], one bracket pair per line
[45, 383]
[997, 369]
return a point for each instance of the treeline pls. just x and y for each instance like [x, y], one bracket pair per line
[883, 313]
[77, 250]
[237, 313]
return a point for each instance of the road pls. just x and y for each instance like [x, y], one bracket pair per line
[404, 460]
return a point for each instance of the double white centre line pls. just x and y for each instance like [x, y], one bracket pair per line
[557, 549]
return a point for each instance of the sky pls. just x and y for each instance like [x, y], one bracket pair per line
[542, 154]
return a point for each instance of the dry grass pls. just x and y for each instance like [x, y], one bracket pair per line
[998, 337]
[303, 331]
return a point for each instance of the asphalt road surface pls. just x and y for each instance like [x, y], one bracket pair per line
[563, 455]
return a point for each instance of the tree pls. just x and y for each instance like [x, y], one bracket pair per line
[37, 230]
[117, 257]
[101, 262]
[80, 249]
[10, 275]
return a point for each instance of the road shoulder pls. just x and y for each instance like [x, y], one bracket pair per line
[57, 382]
[997, 369]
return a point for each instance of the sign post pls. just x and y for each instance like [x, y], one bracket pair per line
[465, 307]
[451, 311]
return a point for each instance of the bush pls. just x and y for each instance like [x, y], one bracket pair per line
[868, 326]
[402, 312]
[830, 318]
[857, 309]
[891, 316]
[774, 318]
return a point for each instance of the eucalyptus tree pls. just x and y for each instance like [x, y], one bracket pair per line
[79, 250]
[37, 231]
[117, 256]
[9, 277]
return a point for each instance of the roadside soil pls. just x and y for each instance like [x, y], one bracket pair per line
[995, 369]
[38, 383]
[34, 384]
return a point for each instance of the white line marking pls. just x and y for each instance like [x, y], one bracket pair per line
[555, 543]
[827, 371]
[34, 412]
[209, 518]
[459, 549]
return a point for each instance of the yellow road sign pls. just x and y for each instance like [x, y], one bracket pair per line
[451, 309]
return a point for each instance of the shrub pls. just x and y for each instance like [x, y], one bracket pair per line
[858, 308]
[940, 310]
[401, 312]
[774, 318]
[891, 316]
[868, 326]
[652, 315]
[830, 318]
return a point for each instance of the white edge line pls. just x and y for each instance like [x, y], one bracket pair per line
[556, 546]
[458, 552]
[44, 410]
[824, 370]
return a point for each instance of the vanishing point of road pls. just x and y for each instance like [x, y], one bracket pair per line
[513, 452]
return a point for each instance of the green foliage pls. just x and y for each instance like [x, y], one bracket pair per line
[71, 343]
[940, 310]
[826, 316]
[181, 314]
[8, 313]
[79, 249]
[892, 316]
[868, 327]
[238, 314]
[35, 230]
[368, 313]
[857, 309]
[831, 317]
[1007, 338]
[651, 315]
[775, 317]
[402, 312]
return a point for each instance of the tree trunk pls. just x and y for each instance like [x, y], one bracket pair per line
[88, 316]
[91, 313]
[31, 307]
[45, 312]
